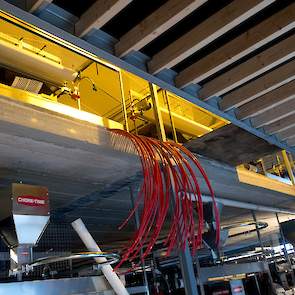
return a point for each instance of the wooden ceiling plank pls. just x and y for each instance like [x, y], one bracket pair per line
[280, 125]
[250, 69]
[156, 24]
[267, 101]
[286, 134]
[34, 5]
[206, 32]
[275, 114]
[99, 14]
[262, 85]
[266, 31]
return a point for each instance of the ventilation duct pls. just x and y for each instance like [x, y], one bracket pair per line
[18, 55]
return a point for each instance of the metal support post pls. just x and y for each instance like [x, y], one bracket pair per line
[186, 261]
[136, 215]
[288, 166]
[170, 116]
[123, 102]
[262, 248]
[257, 284]
[185, 258]
[285, 250]
[157, 112]
[199, 275]
[187, 270]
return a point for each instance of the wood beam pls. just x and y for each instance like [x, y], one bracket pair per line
[250, 69]
[203, 34]
[266, 83]
[266, 31]
[275, 114]
[267, 101]
[34, 5]
[286, 134]
[99, 14]
[156, 24]
[280, 125]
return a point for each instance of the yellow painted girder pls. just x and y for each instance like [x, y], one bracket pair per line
[48, 103]
[256, 179]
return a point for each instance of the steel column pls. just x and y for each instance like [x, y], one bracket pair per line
[187, 270]
[137, 222]
[262, 248]
[185, 258]
[186, 261]
[199, 274]
[257, 284]
[285, 250]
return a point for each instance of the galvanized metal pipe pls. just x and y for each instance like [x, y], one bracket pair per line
[243, 205]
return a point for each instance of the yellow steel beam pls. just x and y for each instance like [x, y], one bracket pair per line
[259, 180]
[44, 101]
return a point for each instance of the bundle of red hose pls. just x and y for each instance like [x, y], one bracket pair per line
[169, 181]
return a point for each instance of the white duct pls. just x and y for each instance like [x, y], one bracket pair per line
[91, 245]
[25, 58]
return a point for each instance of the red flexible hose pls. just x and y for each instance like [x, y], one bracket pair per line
[169, 180]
